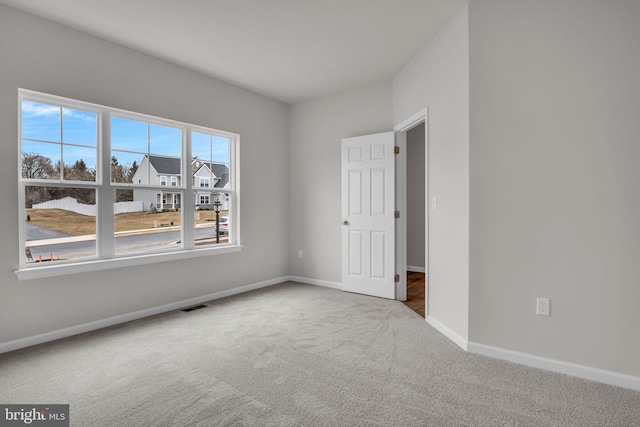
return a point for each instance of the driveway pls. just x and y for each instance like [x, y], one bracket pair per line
[35, 232]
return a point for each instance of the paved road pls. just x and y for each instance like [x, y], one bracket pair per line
[124, 244]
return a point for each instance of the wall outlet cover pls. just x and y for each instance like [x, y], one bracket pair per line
[543, 306]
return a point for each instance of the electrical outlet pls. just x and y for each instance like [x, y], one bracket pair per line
[300, 254]
[543, 306]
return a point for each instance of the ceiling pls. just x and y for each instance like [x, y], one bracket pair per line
[290, 50]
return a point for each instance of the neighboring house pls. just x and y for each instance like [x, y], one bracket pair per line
[208, 179]
[206, 176]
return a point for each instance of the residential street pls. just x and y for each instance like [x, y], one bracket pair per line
[64, 247]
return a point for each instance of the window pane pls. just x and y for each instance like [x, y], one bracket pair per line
[129, 135]
[210, 147]
[201, 146]
[124, 168]
[138, 231]
[161, 146]
[165, 141]
[220, 149]
[211, 160]
[79, 127]
[211, 228]
[79, 163]
[60, 223]
[40, 160]
[40, 121]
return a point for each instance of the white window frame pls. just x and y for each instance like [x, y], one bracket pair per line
[106, 257]
[205, 182]
[163, 180]
[174, 181]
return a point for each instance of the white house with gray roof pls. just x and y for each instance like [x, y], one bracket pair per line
[209, 179]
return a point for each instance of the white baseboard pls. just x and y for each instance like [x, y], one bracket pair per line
[415, 269]
[449, 333]
[308, 281]
[575, 370]
[580, 371]
[572, 369]
[99, 324]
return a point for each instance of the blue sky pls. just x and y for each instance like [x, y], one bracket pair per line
[45, 127]
[49, 124]
[210, 147]
[132, 139]
[142, 137]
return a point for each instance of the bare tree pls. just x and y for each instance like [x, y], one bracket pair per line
[37, 166]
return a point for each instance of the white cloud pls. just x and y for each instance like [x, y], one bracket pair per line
[37, 109]
[79, 115]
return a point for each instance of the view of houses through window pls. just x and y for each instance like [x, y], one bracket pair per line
[160, 173]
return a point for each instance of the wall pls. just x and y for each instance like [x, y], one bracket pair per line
[438, 78]
[416, 193]
[316, 130]
[47, 57]
[555, 102]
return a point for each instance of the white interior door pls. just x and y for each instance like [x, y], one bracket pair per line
[368, 205]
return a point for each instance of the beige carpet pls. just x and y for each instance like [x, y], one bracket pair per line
[297, 355]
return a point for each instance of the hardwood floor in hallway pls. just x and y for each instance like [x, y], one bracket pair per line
[416, 292]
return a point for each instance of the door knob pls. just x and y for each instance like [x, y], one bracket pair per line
[345, 222]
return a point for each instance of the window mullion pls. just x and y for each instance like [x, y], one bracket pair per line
[21, 215]
[232, 191]
[21, 196]
[188, 210]
[106, 194]
[61, 144]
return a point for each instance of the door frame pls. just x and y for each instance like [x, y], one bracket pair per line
[401, 130]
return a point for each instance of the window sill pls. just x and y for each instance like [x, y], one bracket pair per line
[39, 272]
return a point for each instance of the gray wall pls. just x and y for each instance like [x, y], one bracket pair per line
[533, 156]
[43, 56]
[317, 128]
[438, 78]
[416, 193]
[555, 151]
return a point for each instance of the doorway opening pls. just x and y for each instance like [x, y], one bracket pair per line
[412, 196]
[416, 292]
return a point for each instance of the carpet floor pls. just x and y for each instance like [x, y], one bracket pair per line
[297, 355]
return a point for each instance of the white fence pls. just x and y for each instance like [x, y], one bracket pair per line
[71, 204]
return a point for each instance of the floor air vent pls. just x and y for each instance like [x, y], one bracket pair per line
[197, 307]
